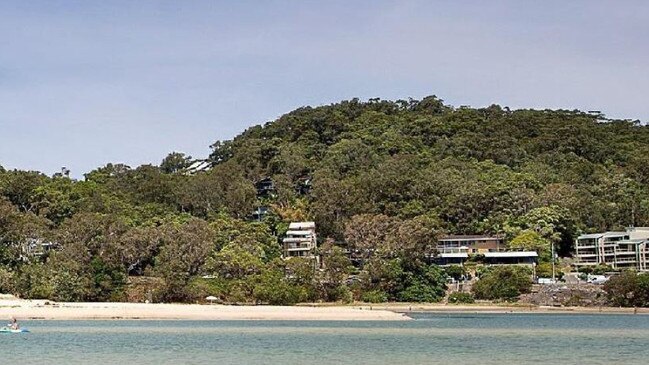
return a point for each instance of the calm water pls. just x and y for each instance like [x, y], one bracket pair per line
[431, 339]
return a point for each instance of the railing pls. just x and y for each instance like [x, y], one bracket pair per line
[299, 247]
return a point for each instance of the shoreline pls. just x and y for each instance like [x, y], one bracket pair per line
[499, 309]
[48, 310]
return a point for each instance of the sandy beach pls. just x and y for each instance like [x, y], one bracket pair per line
[43, 309]
[40, 309]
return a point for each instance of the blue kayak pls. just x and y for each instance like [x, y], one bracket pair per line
[9, 330]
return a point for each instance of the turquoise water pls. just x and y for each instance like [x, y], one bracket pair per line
[430, 339]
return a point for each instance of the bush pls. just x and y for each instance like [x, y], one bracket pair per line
[599, 269]
[274, 289]
[34, 281]
[340, 293]
[628, 289]
[421, 283]
[419, 292]
[6, 281]
[456, 272]
[504, 282]
[374, 296]
[461, 298]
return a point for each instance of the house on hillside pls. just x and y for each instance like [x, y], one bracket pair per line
[455, 249]
[304, 185]
[475, 244]
[300, 240]
[620, 250]
[492, 250]
[265, 188]
[198, 166]
[36, 247]
[260, 213]
[511, 258]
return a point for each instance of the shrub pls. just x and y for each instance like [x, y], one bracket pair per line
[419, 292]
[504, 282]
[374, 296]
[274, 289]
[455, 271]
[461, 298]
[628, 289]
[6, 281]
[340, 293]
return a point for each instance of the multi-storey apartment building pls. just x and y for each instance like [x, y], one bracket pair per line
[456, 249]
[300, 240]
[620, 250]
[474, 244]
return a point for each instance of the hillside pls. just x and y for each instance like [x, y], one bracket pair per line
[385, 175]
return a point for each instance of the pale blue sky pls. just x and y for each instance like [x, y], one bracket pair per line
[84, 83]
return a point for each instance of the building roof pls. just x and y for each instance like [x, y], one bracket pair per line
[199, 165]
[590, 236]
[615, 234]
[300, 225]
[600, 235]
[511, 254]
[454, 255]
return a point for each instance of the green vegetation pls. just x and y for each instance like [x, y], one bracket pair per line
[461, 298]
[628, 289]
[382, 177]
[503, 283]
[456, 272]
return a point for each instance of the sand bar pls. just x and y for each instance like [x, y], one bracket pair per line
[38, 309]
[500, 308]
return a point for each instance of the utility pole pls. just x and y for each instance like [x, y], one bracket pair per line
[554, 280]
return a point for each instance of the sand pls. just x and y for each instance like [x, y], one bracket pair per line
[38, 309]
[41, 309]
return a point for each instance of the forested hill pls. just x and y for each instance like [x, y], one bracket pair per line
[473, 169]
[351, 167]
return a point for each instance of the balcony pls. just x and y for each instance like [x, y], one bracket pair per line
[298, 247]
[581, 255]
[622, 261]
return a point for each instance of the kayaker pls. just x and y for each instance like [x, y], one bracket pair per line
[13, 324]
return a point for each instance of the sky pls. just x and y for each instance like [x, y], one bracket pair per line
[85, 83]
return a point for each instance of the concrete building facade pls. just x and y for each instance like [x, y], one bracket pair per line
[300, 240]
[620, 250]
[456, 249]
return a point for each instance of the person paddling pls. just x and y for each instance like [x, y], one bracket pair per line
[13, 324]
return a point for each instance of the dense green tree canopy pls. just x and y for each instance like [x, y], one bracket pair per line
[382, 178]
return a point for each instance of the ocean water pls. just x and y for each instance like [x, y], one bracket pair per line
[429, 339]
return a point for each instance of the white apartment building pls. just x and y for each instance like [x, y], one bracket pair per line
[620, 250]
[300, 240]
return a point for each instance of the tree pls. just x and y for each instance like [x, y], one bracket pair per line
[371, 235]
[135, 250]
[456, 272]
[422, 283]
[222, 189]
[335, 272]
[628, 289]
[175, 162]
[235, 262]
[19, 186]
[274, 288]
[185, 249]
[528, 240]
[503, 282]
